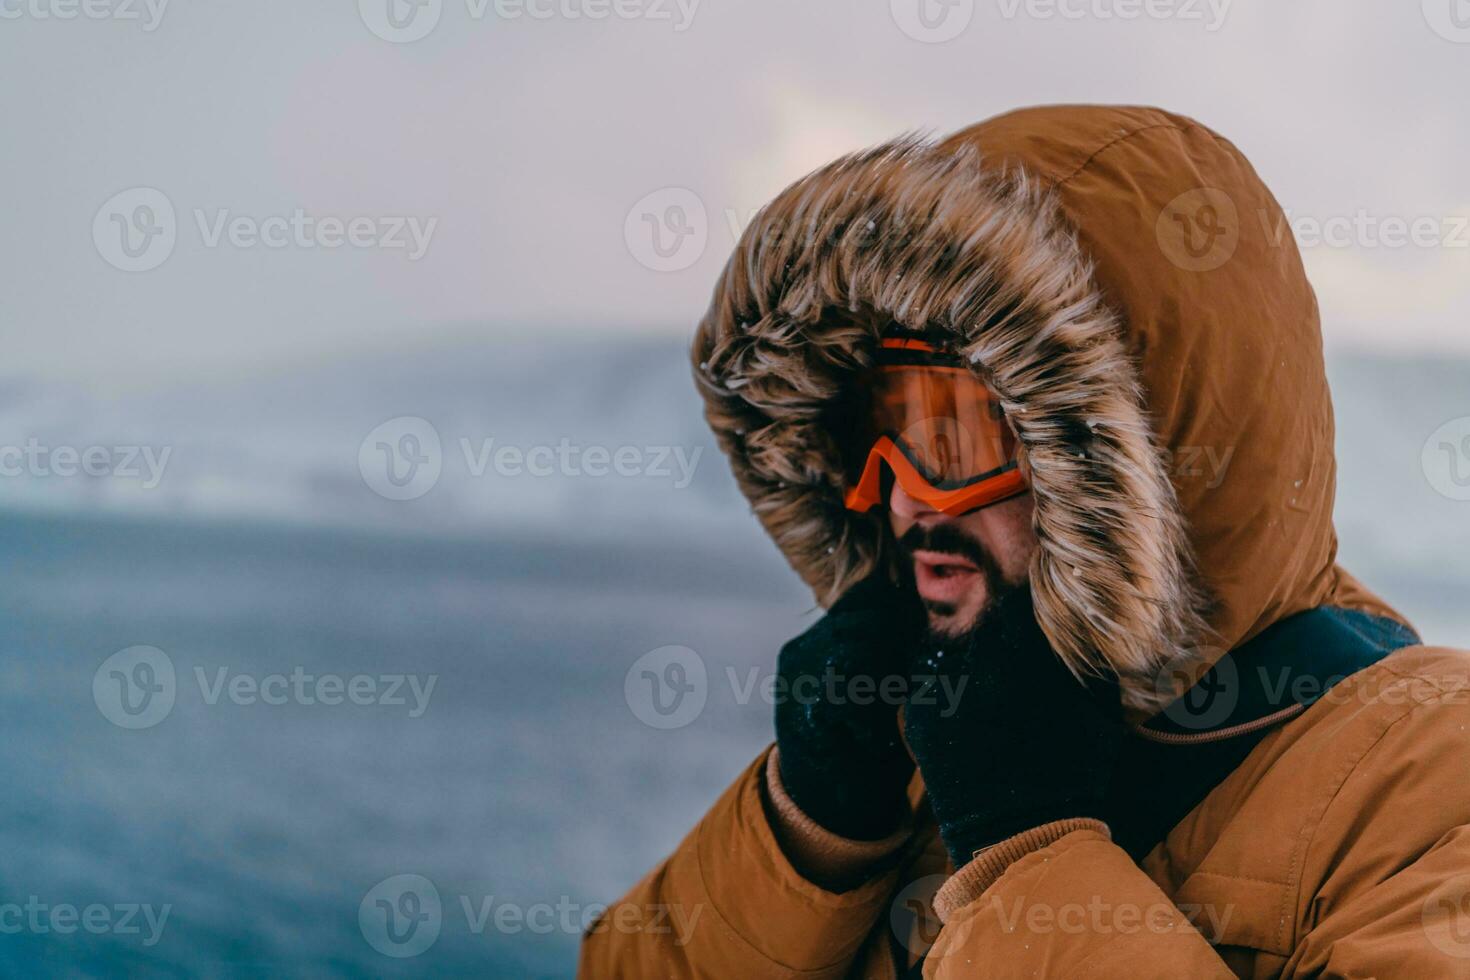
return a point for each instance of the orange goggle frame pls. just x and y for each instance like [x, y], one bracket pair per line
[940, 431]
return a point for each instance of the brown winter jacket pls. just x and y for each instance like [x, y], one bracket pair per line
[1126, 283]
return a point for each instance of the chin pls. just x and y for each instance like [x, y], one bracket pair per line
[955, 620]
[955, 623]
[962, 614]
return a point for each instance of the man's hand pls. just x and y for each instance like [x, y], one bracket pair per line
[842, 758]
[1023, 744]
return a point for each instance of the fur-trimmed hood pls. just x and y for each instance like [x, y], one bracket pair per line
[1122, 279]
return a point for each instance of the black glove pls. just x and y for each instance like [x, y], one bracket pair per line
[842, 758]
[1006, 738]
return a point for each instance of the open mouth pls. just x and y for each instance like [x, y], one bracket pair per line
[944, 577]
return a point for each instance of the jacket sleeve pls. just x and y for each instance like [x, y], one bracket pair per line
[1390, 863]
[1415, 923]
[1382, 886]
[1075, 907]
[727, 903]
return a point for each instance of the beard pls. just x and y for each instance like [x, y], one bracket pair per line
[1001, 592]
[1007, 624]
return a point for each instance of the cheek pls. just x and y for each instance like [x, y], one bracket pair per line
[1020, 547]
[1019, 555]
[1005, 532]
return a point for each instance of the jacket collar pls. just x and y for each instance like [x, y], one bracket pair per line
[1177, 758]
[1278, 674]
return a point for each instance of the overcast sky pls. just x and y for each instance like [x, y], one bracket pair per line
[499, 166]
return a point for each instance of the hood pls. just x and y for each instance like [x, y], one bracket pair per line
[1130, 289]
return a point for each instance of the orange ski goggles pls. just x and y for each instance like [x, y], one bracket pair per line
[938, 428]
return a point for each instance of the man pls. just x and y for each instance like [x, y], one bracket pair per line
[1044, 405]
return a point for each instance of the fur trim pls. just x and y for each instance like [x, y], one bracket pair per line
[929, 239]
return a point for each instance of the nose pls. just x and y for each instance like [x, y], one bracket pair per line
[909, 509]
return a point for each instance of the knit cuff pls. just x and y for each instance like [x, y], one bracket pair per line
[989, 863]
[822, 857]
